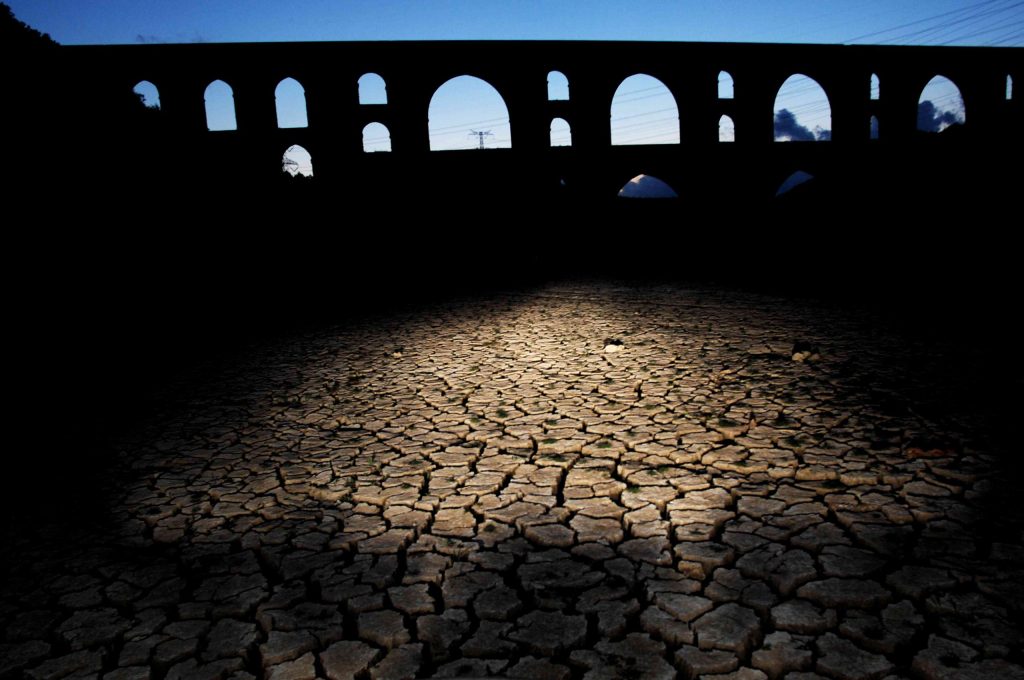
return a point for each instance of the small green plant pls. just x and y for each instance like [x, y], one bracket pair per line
[489, 527]
[548, 441]
[502, 413]
[604, 444]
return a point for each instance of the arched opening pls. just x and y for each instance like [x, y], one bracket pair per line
[725, 85]
[644, 111]
[376, 138]
[793, 181]
[468, 113]
[558, 86]
[940, 106]
[291, 104]
[372, 89]
[726, 129]
[561, 133]
[876, 87]
[297, 161]
[220, 107]
[148, 95]
[1009, 87]
[646, 186]
[802, 111]
[874, 127]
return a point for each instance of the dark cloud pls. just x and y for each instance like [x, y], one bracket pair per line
[786, 126]
[931, 119]
[823, 134]
[147, 39]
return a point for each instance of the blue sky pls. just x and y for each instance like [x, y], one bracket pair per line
[642, 112]
[128, 21]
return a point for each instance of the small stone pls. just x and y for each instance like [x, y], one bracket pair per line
[685, 608]
[666, 627]
[781, 653]
[346, 659]
[285, 646]
[401, 663]
[709, 554]
[548, 633]
[500, 604]
[412, 600]
[784, 569]
[845, 593]
[653, 550]
[441, 632]
[696, 663]
[916, 582]
[191, 670]
[846, 562]
[550, 535]
[299, 669]
[729, 627]
[129, 673]
[637, 656]
[843, 660]
[800, 616]
[741, 674]
[76, 663]
[532, 668]
[385, 628]
[228, 638]
[16, 656]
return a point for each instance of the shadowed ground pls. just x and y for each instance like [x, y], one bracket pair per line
[581, 481]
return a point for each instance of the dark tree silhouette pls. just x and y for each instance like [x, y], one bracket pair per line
[16, 34]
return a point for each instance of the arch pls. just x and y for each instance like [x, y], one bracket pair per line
[376, 138]
[220, 107]
[372, 89]
[291, 104]
[461, 108]
[876, 87]
[873, 127]
[561, 132]
[940, 106]
[726, 129]
[644, 111]
[297, 161]
[558, 86]
[1009, 87]
[802, 111]
[793, 181]
[725, 85]
[148, 94]
[647, 186]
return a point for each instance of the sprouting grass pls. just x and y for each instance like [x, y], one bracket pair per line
[604, 444]
[502, 413]
[548, 441]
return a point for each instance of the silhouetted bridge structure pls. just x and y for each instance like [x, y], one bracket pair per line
[753, 165]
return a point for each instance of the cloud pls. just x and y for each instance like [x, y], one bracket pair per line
[931, 119]
[786, 127]
[148, 39]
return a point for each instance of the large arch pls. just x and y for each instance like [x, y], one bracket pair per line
[467, 112]
[644, 111]
[803, 112]
[220, 107]
[297, 161]
[726, 129]
[647, 186]
[290, 99]
[726, 86]
[940, 106]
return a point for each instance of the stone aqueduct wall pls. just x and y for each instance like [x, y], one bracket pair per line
[413, 71]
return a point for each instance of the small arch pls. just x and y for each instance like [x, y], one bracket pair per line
[1009, 87]
[558, 86]
[291, 104]
[940, 106]
[644, 111]
[468, 113]
[148, 94]
[793, 181]
[876, 87]
[725, 85]
[647, 186]
[220, 107]
[802, 111]
[726, 129]
[372, 89]
[297, 161]
[376, 138]
[561, 133]
[874, 127]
